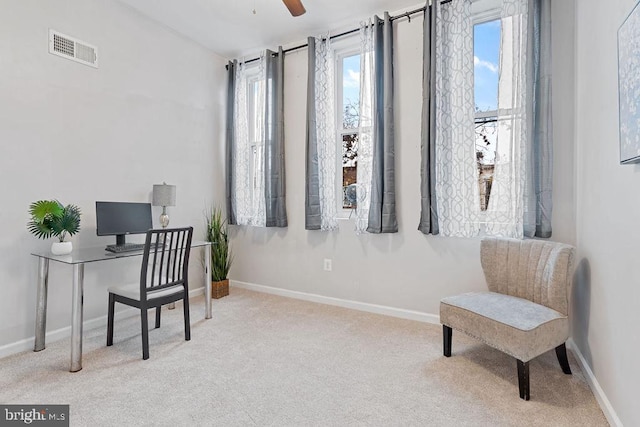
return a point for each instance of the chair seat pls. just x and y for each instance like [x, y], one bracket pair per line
[516, 326]
[132, 291]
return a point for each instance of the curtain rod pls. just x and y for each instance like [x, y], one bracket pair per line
[355, 30]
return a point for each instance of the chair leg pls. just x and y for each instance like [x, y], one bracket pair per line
[561, 352]
[111, 311]
[187, 321]
[145, 333]
[158, 316]
[523, 379]
[447, 332]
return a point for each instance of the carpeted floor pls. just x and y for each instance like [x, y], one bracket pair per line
[271, 361]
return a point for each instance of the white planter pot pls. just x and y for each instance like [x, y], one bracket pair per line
[61, 248]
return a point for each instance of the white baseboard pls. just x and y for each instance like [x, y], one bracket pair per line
[355, 305]
[59, 334]
[599, 394]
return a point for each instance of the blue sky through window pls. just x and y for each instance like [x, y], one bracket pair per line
[486, 48]
[486, 60]
[351, 80]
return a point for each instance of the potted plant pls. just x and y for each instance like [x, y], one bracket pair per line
[221, 256]
[49, 218]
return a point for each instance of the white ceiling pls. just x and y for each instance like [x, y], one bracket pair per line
[229, 27]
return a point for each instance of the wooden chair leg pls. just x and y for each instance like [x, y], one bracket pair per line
[145, 333]
[523, 379]
[561, 352]
[447, 333]
[158, 316]
[187, 321]
[111, 311]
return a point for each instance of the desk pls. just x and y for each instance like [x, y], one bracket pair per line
[78, 258]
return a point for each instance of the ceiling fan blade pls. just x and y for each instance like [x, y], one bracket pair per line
[295, 7]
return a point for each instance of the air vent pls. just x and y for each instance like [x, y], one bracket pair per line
[73, 49]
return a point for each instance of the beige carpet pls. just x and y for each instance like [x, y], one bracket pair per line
[272, 361]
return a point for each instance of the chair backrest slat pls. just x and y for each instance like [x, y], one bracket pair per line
[146, 254]
[168, 250]
[162, 262]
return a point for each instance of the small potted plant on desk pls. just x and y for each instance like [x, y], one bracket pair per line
[221, 256]
[49, 218]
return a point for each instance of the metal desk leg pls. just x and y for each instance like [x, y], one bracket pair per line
[76, 317]
[41, 306]
[207, 281]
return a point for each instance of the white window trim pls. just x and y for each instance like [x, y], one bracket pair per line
[252, 77]
[486, 114]
[484, 11]
[345, 48]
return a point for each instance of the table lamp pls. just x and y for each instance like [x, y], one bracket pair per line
[164, 195]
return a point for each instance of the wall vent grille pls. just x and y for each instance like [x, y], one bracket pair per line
[73, 49]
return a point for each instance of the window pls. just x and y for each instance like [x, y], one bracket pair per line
[256, 117]
[484, 140]
[348, 95]
[486, 59]
[249, 144]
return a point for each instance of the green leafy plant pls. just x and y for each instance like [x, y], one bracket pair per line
[221, 256]
[49, 218]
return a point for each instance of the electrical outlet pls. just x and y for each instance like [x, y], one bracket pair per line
[327, 264]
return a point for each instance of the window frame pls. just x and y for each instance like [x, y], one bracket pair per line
[486, 11]
[342, 49]
[254, 76]
[482, 16]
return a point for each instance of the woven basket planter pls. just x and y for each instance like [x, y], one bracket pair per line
[220, 289]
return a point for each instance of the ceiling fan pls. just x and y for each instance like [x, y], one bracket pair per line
[295, 7]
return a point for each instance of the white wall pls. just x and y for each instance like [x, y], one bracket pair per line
[608, 285]
[406, 270]
[152, 112]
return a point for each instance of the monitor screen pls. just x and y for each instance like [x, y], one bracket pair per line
[121, 218]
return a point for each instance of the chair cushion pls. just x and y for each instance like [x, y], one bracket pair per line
[132, 291]
[516, 326]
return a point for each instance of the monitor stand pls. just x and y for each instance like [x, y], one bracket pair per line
[120, 239]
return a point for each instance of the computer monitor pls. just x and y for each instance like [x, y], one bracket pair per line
[122, 218]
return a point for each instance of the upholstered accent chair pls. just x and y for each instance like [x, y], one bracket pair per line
[525, 312]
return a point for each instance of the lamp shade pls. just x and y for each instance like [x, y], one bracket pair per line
[164, 195]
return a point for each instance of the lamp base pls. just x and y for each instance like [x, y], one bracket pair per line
[164, 220]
